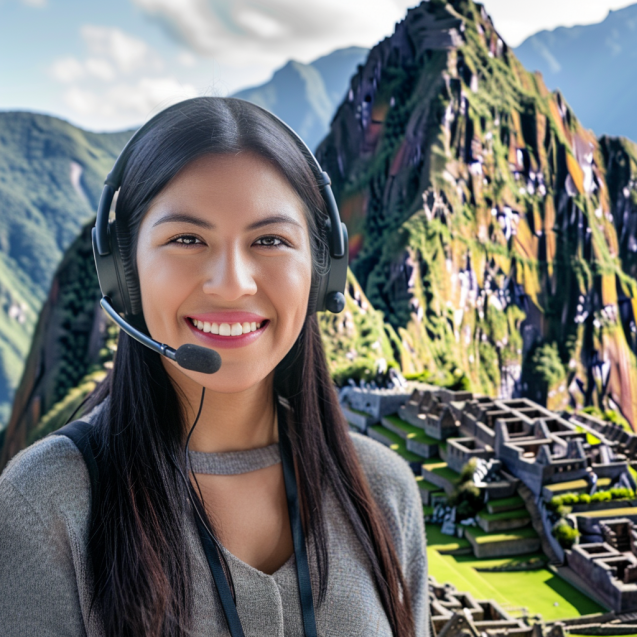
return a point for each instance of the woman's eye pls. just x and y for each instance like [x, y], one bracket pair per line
[270, 242]
[186, 239]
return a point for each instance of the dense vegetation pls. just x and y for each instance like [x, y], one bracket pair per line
[50, 179]
[492, 230]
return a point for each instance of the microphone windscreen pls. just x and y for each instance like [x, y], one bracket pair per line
[198, 358]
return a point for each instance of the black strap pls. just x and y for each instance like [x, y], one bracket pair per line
[298, 537]
[221, 581]
[79, 432]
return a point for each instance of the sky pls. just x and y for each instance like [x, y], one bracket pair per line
[109, 65]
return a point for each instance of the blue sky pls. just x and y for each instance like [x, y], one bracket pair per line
[110, 64]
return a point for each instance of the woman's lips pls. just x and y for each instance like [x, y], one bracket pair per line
[223, 339]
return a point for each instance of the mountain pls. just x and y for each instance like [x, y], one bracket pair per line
[306, 95]
[491, 229]
[492, 236]
[51, 175]
[594, 67]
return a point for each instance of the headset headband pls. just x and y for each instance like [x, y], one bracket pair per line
[114, 273]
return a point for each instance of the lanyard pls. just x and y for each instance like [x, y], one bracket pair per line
[298, 538]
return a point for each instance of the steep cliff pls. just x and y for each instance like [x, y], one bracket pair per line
[50, 178]
[488, 226]
[72, 347]
[492, 237]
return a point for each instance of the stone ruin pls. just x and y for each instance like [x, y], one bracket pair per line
[456, 614]
[609, 567]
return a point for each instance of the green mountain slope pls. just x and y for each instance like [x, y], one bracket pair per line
[480, 217]
[492, 237]
[50, 179]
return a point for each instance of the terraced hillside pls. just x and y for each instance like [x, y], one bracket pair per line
[493, 232]
[492, 237]
[50, 178]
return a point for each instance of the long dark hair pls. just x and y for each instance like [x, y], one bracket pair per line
[137, 536]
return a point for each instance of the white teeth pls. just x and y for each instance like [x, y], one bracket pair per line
[226, 329]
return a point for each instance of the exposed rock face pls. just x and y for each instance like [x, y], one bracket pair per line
[68, 346]
[491, 229]
[51, 174]
[494, 234]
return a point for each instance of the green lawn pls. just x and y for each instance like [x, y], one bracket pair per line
[441, 469]
[396, 443]
[411, 431]
[536, 590]
[504, 515]
[575, 485]
[609, 513]
[359, 412]
[482, 537]
[505, 504]
[427, 486]
[439, 541]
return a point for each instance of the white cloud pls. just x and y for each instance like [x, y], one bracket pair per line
[128, 53]
[241, 31]
[101, 69]
[35, 3]
[112, 52]
[124, 100]
[187, 59]
[68, 69]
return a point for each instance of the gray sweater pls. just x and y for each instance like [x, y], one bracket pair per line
[45, 580]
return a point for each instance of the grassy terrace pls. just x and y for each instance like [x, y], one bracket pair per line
[441, 469]
[359, 412]
[505, 504]
[436, 540]
[395, 442]
[575, 485]
[504, 515]
[410, 431]
[482, 537]
[537, 590]
[427, 486]
[609, 513]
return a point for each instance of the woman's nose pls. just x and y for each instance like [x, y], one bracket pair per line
[230, 274]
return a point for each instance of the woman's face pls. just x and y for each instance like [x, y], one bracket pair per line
[222, 250]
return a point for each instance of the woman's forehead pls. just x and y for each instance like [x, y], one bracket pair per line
[227, 187]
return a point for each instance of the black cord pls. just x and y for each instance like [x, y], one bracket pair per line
[198, 506]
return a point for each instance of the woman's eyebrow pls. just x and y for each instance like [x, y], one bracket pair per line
[202, 223]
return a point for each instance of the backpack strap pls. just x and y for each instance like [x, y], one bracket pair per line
[81, 433]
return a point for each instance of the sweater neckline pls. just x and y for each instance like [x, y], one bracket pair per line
[234, 462]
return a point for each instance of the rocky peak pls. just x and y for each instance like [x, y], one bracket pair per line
[480, 215]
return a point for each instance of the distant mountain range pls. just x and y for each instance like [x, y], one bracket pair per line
[51, 174]
[305, 96]
[492, 237]
[595, 68]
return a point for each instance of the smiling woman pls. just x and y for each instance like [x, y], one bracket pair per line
[228, 503]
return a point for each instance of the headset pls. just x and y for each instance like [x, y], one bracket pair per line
[121, 300]
[121, 296]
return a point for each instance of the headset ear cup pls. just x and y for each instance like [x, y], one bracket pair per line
[127, 276]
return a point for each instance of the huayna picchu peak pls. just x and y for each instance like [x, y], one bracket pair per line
[493, 231]
[492, 237]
